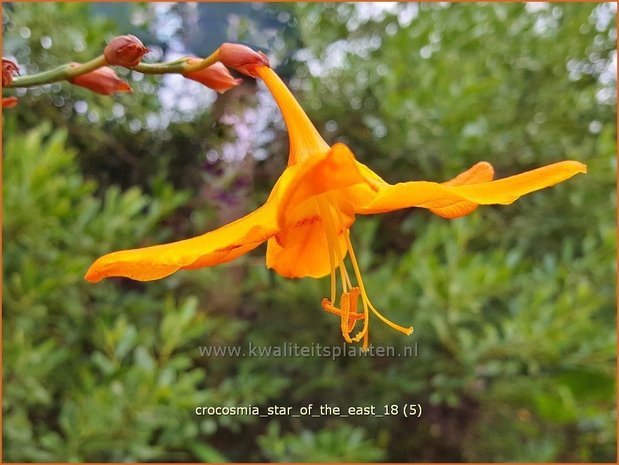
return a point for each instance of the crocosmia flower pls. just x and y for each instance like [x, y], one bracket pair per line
[102, 80]
[125, 51]
[9, 102]
[9, 68]
[242, 58]
[308, 214]
[216, 76]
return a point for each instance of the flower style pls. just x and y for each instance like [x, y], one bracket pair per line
[102, 81]
[308, 214]
[216, 76]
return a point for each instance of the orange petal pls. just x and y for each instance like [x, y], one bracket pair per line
[218, 246]
[478, 173]
[442, 197]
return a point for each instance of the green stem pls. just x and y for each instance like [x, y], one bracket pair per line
[86, 67]
[205, 63]
[67, 72]
[175, 66]
[180, 65]
[64, 72]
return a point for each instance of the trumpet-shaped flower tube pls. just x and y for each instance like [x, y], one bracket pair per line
[307, 217]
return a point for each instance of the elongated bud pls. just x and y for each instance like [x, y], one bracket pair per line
[125, 51]
[242, 58]
[8, 69]
[216, 76]
[102, 80]
[9, 102]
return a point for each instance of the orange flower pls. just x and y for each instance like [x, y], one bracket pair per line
[102, 80]
[9, 102]
[8, 69]
[216, 76]
[125, 51]
[307, 217]
[242, 58]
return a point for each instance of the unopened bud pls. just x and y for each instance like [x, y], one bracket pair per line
[8, 69]
[102, 80]
[242, 58]
[125, 51]
[216, 76]
[9, 102]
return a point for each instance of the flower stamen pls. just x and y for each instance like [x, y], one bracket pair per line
[355, 265]
[345, 304]
[354, 316]
[333, 242]
[350, 295]
[329, 307]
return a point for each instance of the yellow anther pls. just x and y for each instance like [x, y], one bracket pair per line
[345, 304]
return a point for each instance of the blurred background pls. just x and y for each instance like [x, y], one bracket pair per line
[513, 307]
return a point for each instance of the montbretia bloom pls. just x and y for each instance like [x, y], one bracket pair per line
[307, 217]
[9, 102]
[9, 68]
[102, 80]
[125, 51]
[216, 76]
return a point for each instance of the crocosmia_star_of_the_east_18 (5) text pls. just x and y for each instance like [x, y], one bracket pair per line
[308, 214]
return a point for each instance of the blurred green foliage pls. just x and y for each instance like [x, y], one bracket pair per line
[513, 307]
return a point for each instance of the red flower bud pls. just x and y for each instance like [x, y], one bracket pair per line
[242, 58]
[9, 102]
[125, 51]
[216, 76]
[8, 69]
[103, 81]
